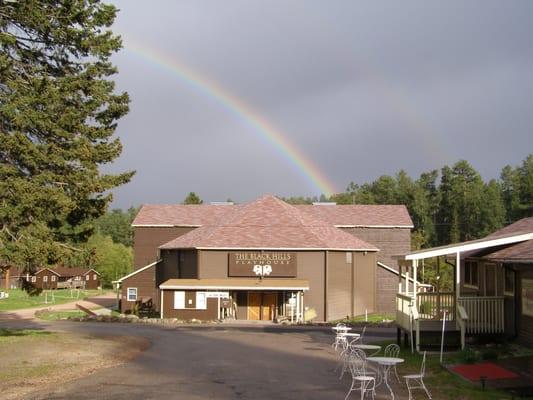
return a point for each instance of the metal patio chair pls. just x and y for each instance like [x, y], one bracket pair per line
[362, 335]
[340, 339]
[393, 350]
[416, 381]
[361, 379]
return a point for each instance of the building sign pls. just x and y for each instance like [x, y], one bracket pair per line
[527, 297]
[262, 264]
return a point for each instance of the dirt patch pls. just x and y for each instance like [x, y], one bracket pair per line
[35, 360]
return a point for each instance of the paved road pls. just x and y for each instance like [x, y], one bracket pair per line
[219, 362]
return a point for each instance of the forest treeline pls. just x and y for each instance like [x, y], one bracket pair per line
[450, 205]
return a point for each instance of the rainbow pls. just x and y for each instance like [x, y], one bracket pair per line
[263, 129]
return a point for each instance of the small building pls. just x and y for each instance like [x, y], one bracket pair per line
[264, 260]
[493, 288]
[11, 277]
[64, 277]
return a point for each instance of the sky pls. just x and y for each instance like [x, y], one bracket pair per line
[235, 99]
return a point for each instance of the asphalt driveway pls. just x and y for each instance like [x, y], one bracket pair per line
[212, 363]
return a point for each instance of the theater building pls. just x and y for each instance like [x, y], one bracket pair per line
[261, 260]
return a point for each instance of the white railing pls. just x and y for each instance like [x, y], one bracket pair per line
[403, 310]
[484, 314]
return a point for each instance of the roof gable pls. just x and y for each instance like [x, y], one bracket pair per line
[269, 223]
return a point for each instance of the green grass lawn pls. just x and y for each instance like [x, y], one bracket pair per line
[442, 383]
[58, 315]
[370, 319]
[19, 299]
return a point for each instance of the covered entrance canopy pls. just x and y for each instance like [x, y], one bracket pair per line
[258, 299]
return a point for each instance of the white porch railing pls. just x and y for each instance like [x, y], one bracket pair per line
[484, 314]
[404, 303]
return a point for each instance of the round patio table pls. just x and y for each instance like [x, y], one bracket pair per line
[370, 347]
[386, 363]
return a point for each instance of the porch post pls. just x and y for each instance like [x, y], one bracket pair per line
[415, 268]
[457, 278]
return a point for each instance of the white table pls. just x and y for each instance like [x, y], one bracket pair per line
[386, 363]
[341, 328]
[370, 347]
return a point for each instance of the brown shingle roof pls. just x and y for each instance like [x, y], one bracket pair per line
[206, 214]
[525, 225]
[68, 272]
[520, 252]
[361, 215]
[268, 223]
[179, 214]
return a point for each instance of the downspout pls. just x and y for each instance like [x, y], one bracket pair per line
[326, 256]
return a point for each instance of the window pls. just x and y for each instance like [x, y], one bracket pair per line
[94, 277]
[34, 279]
[53, 278]
[45, 278]
[87, 277]
[348, 257]
[179, 300]
[509, 282]
[132, 294]
[201, 302]
[471, 273]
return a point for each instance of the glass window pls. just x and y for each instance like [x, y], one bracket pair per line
[45, 278]
[201, 302]
[179, 300]
[87, 277]
[94, 277]
[471, 273]
[132, 294]
[509, 282]
[34, 279]
[53, 278]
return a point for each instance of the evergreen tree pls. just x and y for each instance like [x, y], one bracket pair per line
[58, 114]
[192, 198]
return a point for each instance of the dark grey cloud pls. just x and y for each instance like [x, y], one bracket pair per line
[361, 88]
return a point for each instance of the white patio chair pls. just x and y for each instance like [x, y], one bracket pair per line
[362, 335]
[361, 379]
[340, 339]
[393, 350]
[416, 381]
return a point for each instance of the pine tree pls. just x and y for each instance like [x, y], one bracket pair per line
[58, 114]
[192, 198]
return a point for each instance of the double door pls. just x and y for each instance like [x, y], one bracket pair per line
[261, 305]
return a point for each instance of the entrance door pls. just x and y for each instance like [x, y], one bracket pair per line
[490, 280]
[254, 306]
[269, 305]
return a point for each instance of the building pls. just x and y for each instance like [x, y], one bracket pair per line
[10, 277]
[265, 259]
[493, 293]
[64, 277]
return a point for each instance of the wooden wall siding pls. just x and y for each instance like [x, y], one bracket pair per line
[480, 289]
[205, 315]
[168, 267]
[146, 242]
[188, 264]
[525, 323]
[146, 286]
[91, 283]
[339, 286]
[214, 264]
[40, 283]
[390, 242]
[311, 266]
[365, 271]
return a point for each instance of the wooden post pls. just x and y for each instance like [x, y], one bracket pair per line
[6, 275]
[438, 288]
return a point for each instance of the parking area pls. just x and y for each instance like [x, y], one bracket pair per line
[208, 363]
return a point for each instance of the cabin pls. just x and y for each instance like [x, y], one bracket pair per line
[64, 277]
[10, 277]
[265, 260]
[492, 296]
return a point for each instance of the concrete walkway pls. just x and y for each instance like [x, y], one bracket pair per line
[107, 300]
